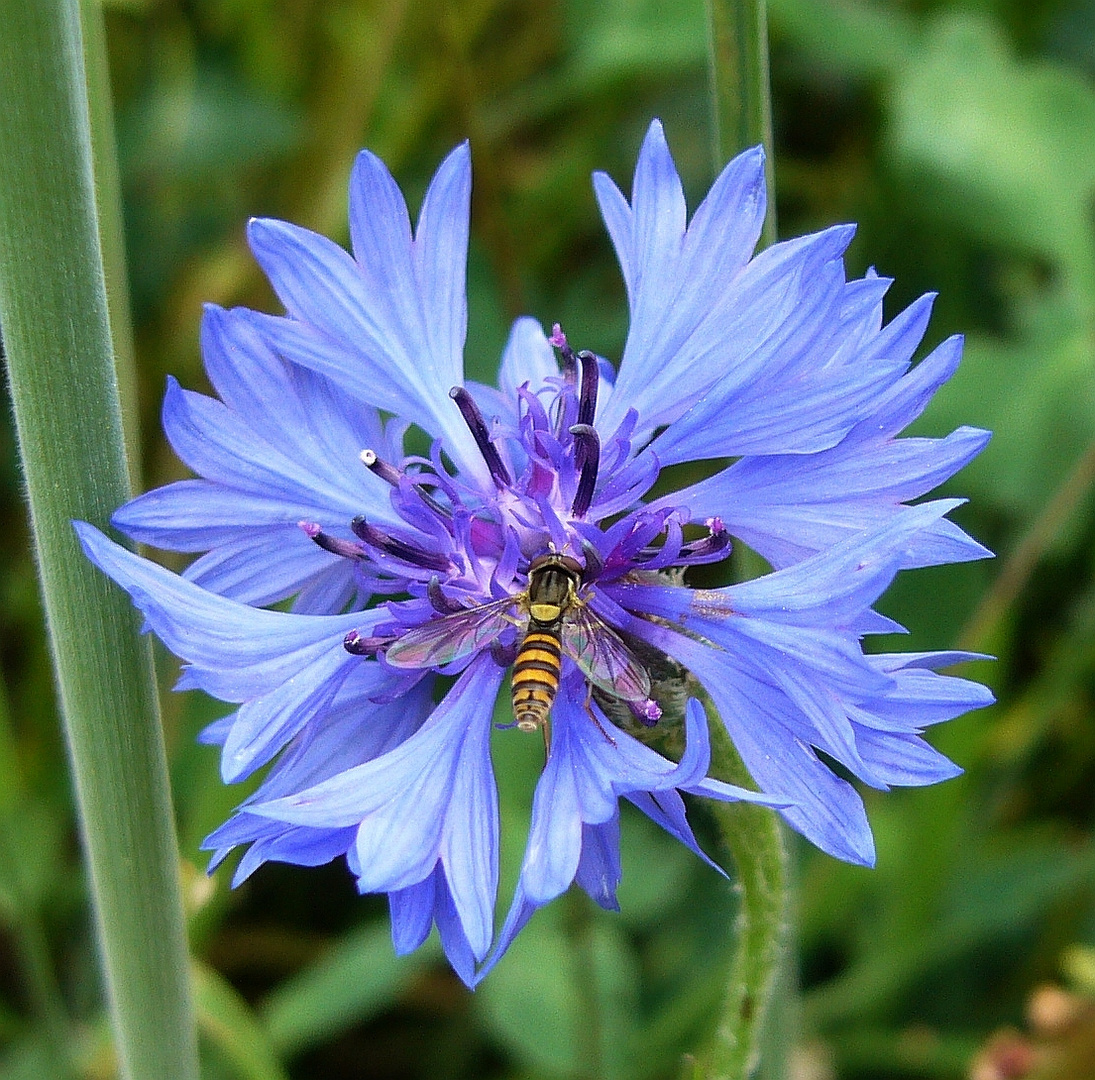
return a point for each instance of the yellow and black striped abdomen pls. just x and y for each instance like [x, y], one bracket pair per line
[536, 675]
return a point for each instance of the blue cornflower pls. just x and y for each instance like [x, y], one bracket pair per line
[529, 531]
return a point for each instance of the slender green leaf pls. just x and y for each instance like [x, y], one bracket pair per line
[53, 312]
[346, 986]
[228, 1022]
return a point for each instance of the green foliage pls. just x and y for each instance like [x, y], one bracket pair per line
[960, 136]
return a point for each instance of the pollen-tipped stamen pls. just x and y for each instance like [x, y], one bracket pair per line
[391, 475]
[478, 428]
[348, 549]
[379, 467]
[400, 549]
[588, 453]
[648, 712]
[359, 644]
[570, 362]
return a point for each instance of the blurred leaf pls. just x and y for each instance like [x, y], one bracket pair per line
[1002, 146]
[533, 1002]
[849, 35]
[618, 38]
[656, 869]
[32, 852]
[228, 1022]
[993, 897]
[29, 1059]
[616, 981]
[206, 124]
[351, 983]
[1021, 390]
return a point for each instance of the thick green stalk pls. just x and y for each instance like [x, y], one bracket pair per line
[754, 838]
[757, 986]
[53, 312]
[741, 99]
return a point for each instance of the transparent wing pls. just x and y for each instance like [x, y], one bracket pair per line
[451, 636]
[604, 657]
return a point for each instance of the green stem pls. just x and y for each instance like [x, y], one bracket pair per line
[754, 838]
[759, 974]
[54, 314]
[741, 99]
[742, 117]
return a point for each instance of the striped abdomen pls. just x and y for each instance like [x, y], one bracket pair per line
[536, 675]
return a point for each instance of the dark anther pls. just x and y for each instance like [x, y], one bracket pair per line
[346, 548]
[391, 475]
[399, 549]
[588, 454]
[587, 401]
[441, 603]
[594, 563]
[359, 645]
[478, 427]
[379, 467]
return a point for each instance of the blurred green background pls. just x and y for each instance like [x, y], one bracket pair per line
[961, 136]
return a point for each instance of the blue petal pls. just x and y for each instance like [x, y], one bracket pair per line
[285, 405]
[264, 567]
[197, 515]
[790, 507]
[284, 667]
[219, 446]
[724, 340]
[527, 358]
[236, 651]
[599, 869]
[674, 278]
[412, 914]
[904, 759]
[413, 911]
[430, 798]
[388, 327]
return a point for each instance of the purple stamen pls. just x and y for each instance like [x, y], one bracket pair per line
[711, 548]
[594, 563]
[588, 452]
[478, 427]
[391, 475]
[570, 361]
[359, 645]
[379, 467]
[587, 402]
[346, 548]
[441, 603]
[400, 549]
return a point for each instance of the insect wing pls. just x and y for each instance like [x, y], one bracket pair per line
[604, 657]
[452, 636]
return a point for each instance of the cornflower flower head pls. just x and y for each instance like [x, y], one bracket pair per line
[528, 538]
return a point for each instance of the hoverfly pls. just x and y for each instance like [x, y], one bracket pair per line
[556, 621]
